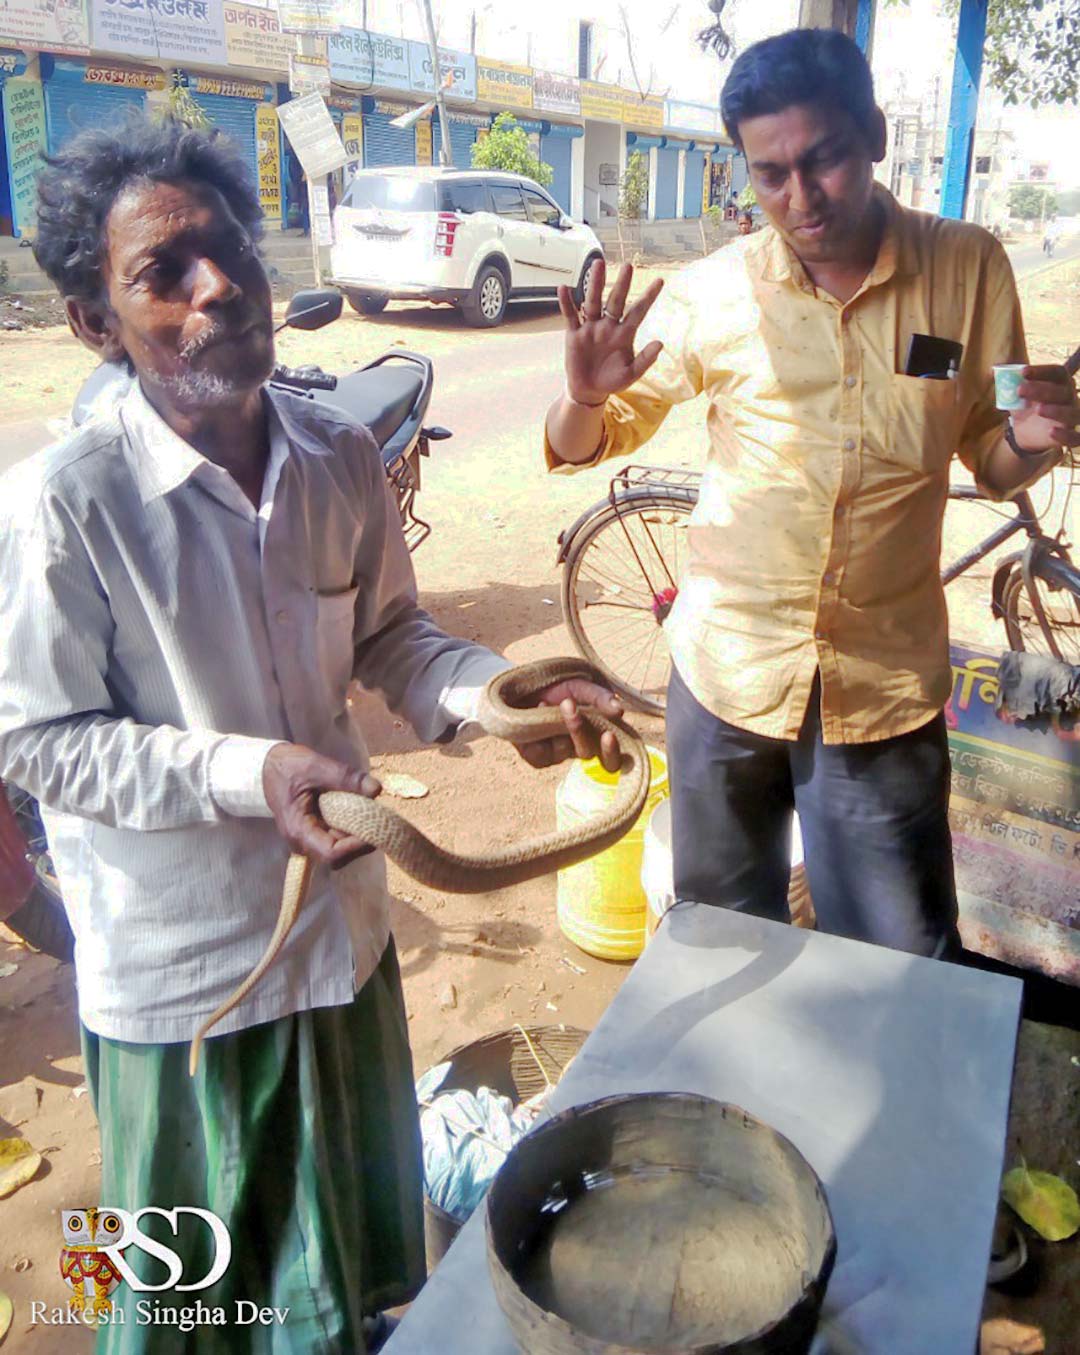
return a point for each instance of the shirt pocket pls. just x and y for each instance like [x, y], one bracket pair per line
[923, 418]
[335, 628]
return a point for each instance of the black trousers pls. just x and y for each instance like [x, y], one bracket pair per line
[873, 816]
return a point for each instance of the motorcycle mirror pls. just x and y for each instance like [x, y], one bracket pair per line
[313, 308]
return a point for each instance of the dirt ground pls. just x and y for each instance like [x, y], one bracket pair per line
[470, 965]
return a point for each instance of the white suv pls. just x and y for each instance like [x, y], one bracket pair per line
[470, 238]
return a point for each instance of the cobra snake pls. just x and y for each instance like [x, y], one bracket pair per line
[506, 713]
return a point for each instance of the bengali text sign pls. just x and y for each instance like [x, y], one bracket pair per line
[24, 135]
[456, 68]
[358, 57]
[46, 25]
[177, 30]
[253, 38]
[1015, 815]
[497, 82]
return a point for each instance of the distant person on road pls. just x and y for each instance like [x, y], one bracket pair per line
[188, 586]
[1051, 236]
[809, 635]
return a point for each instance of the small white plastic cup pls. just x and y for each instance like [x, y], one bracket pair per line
[1007, 381]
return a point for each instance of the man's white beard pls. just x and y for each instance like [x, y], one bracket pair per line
[207, 389]
[203, 388]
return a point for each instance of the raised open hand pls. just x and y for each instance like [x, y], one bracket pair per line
[600, 357]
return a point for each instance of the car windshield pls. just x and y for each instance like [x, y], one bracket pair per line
[392, 192]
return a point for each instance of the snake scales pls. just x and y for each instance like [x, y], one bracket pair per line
[507, 712]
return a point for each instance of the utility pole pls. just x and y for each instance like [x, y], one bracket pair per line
[447, 154]
[853, 17]
[963, 107]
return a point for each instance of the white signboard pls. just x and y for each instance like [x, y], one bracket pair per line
[53, 25]
[360, 58]
[254, 38]
[308, 74]
[461, 66]
[319, 203]
[693, 118]
[312, 134]
[308, 16]
[556, 93]
[178, 30]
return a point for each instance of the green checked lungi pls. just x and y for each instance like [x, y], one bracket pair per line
[302, 1135]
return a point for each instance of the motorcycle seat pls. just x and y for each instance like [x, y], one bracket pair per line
[381, 398]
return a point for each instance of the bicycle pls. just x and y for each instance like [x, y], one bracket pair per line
[623, 559]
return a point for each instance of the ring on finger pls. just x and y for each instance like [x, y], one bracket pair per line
[610, 315]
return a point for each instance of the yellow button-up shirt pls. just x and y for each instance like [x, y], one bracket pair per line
[815, 544]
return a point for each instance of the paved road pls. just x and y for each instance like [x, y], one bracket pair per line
[1029, 258]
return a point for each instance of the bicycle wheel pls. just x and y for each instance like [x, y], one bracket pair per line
[620, 582]
[1059, 596]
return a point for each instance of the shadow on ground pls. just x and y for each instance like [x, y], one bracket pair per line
[421, 940]
[535, 317]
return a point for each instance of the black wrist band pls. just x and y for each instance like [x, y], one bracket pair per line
[1017, 450]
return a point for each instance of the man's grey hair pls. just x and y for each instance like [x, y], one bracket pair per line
[80, 183]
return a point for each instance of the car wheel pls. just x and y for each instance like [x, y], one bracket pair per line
[579, 290]
[485, 306]
[367, 303]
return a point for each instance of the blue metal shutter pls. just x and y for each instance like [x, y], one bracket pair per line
[71, 105]
[740, 175]
[556, 151]
[235, 117]
[694, 185]
[667, 184]
[386, 145]
[462, 138]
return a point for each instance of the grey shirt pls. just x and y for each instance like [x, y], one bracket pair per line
[160, 636]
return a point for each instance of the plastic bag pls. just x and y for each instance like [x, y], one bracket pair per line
[466, 1136]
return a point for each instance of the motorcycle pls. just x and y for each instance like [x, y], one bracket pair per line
[390, 396]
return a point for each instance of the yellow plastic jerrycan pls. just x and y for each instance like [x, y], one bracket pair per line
[601, 903]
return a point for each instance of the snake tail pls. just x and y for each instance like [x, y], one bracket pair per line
[297, 879]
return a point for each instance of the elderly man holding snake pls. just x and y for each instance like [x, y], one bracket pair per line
[188, 585]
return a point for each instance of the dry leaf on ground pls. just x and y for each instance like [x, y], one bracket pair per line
[6, 1313]
[1045, 1202]
[1003, 1336]
[19, 1163]
[404, 787]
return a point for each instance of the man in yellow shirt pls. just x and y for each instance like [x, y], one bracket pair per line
[809, 637]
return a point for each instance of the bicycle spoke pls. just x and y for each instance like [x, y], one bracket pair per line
[1062, 611]
[621, 575]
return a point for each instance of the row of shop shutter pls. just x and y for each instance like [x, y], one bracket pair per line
[236, 117]
[462, 140]
[73, 105]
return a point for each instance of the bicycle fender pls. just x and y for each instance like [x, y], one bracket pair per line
[636, 494]
[1002, 574]
[567, 535]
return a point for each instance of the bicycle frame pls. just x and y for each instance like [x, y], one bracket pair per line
[636, 483]
[1025, 520]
